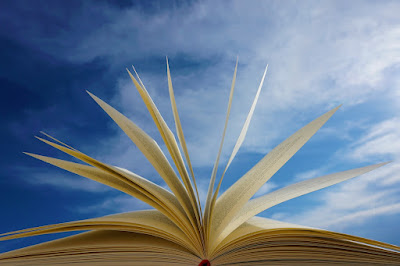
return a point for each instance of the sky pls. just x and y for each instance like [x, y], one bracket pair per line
[320, 54]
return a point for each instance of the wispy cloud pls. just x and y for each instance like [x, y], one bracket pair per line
[382, 139]
[361, 199]
[267, 187]
[309, 174]
[360, 216]
[319, 55]
[116, 204]
[318, 58]
[64, 181]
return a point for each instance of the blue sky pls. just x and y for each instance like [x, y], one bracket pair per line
[320, 54]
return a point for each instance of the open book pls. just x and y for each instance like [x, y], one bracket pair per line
[178, 231]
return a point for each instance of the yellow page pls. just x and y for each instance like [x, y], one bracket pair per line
[255, 206]
[230, 203]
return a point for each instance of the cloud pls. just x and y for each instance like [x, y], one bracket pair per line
[359, 200]
[319, 55]
[116, 204]
[347, 205]
[202, 187]
[360, 216]
[267, 187]
[65, 182]
[382, 139]
[110, 201]
[309, 174]
[318, 58]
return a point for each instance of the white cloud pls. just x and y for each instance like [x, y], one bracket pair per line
[122, 203]
[267, 187]
[356, 201]
[382, 139]
[66, 182]
[347, 205]
[319, 55]
[202, 187]
[318, 58]
[308, 174]
[360, 216]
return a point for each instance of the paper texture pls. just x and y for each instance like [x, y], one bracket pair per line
[229, 204]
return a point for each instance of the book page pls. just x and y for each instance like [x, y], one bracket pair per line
[172, 145]
[255, 206]
[147, 188]
[153, 153]
[230, 203]
[98, 175]
[239, 141]
[243, 132]
[210, 191]
[179, 131]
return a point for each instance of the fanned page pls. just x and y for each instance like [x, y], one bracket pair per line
[255, 206]
[179, 130]
[153, 153]
[241, 137]
[232, 200]
[208, 206]
[149, 192]
[176, 232]
[239, 142]
[173, 148]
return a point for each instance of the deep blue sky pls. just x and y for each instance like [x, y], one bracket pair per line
[320, 54]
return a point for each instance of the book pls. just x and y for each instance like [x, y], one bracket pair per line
[178, 231]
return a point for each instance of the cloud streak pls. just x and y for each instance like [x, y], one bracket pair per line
[372, 195]
[319, 55]
[316, 59]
